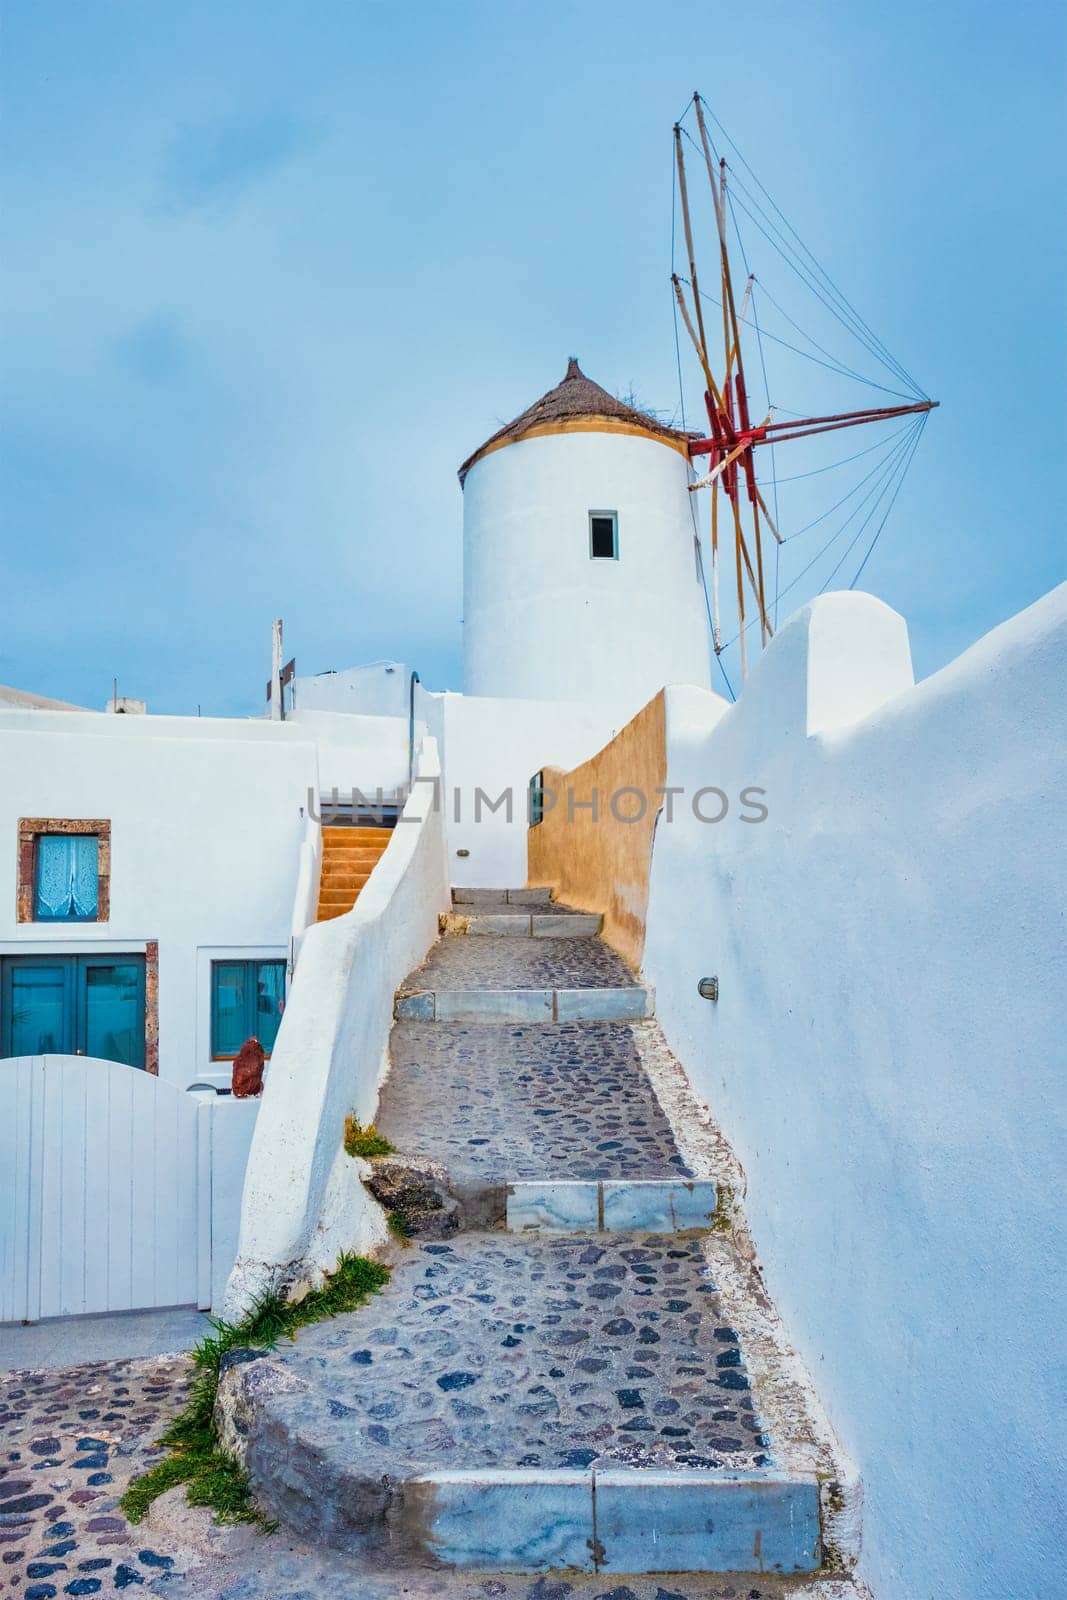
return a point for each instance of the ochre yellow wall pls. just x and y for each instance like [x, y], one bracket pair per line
[604, 865]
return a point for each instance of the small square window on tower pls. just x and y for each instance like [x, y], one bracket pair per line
[604, 535]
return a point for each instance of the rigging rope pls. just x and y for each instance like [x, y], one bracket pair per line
[832, 286]
[795, 477]
[889, 467]
[896, 491]
[707, 602]
[856, 486]
[900, 467]
[804, 273]
[831, 366]
[804, 335]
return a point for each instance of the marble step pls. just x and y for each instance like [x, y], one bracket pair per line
[500, 1103]
[526, 1404]
[492, 897]
[517, 923]
[611, 1205]
[630, 1004]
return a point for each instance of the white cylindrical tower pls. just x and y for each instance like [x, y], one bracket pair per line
[581, 575]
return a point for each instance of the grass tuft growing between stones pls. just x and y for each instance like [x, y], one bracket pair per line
[400, 1225]
[213, 1478]
[361, 1141]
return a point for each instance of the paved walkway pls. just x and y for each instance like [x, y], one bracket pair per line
[72, 1439]
[73, 1341]
[501, 1351]
[497, 961]
[580, 1372]
[499, 1101]
[562, 1353]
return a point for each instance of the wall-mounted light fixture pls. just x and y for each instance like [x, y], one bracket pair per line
[708, 988]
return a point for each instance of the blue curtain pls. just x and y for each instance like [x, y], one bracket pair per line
[67, 876]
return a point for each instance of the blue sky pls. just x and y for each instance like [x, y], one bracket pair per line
[270, 272]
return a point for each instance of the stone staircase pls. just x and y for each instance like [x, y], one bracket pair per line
[573, 1368]
[349, 856]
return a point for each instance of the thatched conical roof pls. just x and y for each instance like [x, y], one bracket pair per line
[576, 398]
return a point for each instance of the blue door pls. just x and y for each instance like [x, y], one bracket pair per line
[73, 1005]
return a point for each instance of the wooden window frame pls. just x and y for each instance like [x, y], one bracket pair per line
[30, 830]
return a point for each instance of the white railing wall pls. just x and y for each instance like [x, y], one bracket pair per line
[303, 1200]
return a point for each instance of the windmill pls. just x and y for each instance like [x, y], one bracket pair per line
[733, 435]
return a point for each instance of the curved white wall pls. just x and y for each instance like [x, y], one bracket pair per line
[543, 621]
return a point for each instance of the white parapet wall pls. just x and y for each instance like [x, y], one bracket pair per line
[886, 1055]
[303, 1201]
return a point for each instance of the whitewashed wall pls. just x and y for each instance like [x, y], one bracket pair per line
[541, 620]
[497, 745]
[303, 1200]
[379, 689]
[207, 822]
[356, 751]
[887, 1056]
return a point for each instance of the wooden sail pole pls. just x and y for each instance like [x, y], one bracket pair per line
[716, 628]
[732, 353]
[764, 621]
[701, 354]
[738, 547]
[683, 194]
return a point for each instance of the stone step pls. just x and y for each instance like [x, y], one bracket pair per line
[499, 1103]
[523, 924]
[500, 962]
[416, 1190]
[491, 897]
[646, 1205]
[629, 1004]
[592, 1387]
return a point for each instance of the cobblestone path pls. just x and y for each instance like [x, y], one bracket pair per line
[499, 1101]
[497, 961]
[498, 1350]
[72, 1439]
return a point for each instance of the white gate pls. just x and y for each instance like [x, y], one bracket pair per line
[105, 1190]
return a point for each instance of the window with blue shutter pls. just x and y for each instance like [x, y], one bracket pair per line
[67, 877]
